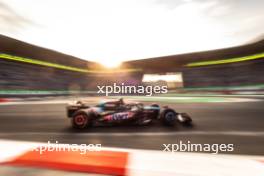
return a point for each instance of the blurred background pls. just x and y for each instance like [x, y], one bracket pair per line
[26, 67]
[210, 54]
[190, 46]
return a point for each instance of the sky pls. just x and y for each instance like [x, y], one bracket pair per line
[112, 31]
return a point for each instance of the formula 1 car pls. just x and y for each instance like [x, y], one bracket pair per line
[117, 112]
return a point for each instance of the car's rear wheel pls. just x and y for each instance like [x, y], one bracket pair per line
[168, 117]
[80, 120]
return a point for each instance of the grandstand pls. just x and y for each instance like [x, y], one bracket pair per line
[28, 67]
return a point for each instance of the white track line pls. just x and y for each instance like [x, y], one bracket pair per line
[117, 134]
[210, 99]
[60, 101]
[36, 102]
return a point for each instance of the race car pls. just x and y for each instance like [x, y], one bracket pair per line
[117, 112]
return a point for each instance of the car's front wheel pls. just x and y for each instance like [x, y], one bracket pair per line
[168, 117]
[80, 120]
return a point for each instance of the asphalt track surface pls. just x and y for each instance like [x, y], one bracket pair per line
[238, 123]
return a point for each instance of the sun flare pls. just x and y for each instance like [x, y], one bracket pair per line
[111, 64]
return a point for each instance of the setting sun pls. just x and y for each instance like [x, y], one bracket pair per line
[110, 63]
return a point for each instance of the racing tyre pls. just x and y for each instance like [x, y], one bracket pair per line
[168, 117]
[80, 120]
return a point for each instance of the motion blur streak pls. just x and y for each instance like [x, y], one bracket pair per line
[228, 122]
[48, 64]
[226, 61]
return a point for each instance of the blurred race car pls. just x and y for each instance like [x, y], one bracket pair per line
[118, 112]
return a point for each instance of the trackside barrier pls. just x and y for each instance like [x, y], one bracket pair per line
[117, 161]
